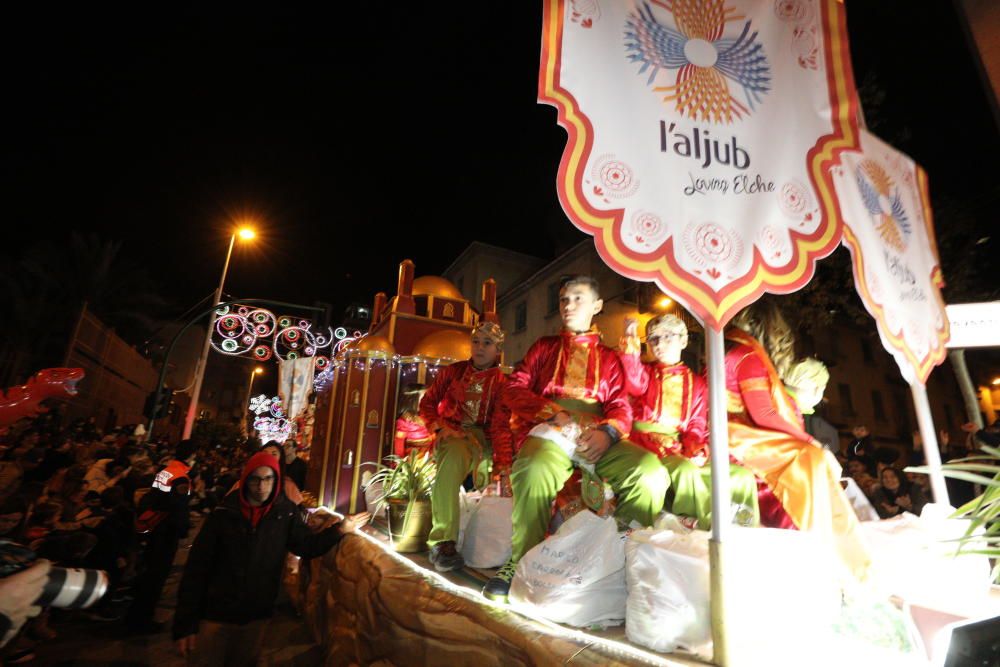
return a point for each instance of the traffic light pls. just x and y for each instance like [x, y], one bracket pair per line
[157, 407]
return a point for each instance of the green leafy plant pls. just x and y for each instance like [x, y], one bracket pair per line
[983, 513]
[409, 477]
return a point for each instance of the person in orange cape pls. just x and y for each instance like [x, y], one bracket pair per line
[670, 411]
[411, 430]
[767, 435]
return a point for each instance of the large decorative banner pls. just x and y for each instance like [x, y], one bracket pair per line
[889, 230]
[700, 137]
[295, 383]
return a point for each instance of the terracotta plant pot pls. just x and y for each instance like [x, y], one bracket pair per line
[409, 524]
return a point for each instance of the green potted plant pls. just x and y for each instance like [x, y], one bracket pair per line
[983, 513]
[406, 491]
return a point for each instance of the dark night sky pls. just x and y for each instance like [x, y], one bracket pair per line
[359, 137]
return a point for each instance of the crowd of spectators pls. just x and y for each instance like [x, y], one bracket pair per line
[82, 498]
[880, 471]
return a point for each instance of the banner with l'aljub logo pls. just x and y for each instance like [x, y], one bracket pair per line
[701, 133]
[888, 227]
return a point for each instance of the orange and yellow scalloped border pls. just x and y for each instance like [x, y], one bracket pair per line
[713, 308]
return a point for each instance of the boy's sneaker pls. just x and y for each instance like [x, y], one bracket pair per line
[498, 587]
[445, 557]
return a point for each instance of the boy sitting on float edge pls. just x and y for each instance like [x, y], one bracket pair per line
[463, 407]
[670, 407]
[573, 379]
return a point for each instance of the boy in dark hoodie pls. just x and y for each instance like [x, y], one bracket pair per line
[234, 570]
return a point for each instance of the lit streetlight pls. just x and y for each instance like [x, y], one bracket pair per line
[663, 303]
[245, 234]
[253, 375]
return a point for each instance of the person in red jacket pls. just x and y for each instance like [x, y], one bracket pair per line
[569, 407]
[464, 409]
[670, 406]
[411, 431]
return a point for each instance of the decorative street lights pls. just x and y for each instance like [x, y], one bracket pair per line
[246, 234]
[253, 374]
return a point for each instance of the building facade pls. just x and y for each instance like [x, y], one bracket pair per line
[118, 379]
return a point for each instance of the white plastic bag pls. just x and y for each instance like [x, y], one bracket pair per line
[488, 535]
[577, 576]
[566, 438]
[915, 559]
[668, 591]
[467, 502]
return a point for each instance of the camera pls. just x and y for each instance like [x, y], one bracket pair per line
[66, 588]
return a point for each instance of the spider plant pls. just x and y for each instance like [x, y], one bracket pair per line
[407, 477]
[983, 513]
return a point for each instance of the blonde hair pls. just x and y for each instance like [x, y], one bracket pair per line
[669, 321]
[764, 321]
[808, 373]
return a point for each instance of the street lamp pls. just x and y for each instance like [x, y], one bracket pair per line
[253, 374]
[246, 234]
[663, 303]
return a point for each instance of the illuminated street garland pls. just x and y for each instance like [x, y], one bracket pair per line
[242, 331]
[270, 423]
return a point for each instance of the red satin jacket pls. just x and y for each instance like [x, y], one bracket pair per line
[575, 366]
[754, 395]
[460, 394]
[670, 396]
[411, 432]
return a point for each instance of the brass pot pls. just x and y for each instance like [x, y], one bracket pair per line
[409, 524]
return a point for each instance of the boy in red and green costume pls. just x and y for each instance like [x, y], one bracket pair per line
[670, 407]
[568, 378]
[463, 407]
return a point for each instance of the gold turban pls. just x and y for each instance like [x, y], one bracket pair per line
[491, 330]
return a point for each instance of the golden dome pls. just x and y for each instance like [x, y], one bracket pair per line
[445, 344]
[436, 286]
[375, 344]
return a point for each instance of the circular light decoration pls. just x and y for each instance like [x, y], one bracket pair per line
[322, 363]
[258, 333]
[340, 333]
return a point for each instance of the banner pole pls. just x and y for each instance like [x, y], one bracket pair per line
[719, 448]
[932, 455]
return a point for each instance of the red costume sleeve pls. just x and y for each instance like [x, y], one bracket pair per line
[617, 409]
[433, 396]
[755, 388]
[694, 437]
[520, 395]
[498, 428]
[636, 372]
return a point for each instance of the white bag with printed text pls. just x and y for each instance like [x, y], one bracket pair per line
[577, 576]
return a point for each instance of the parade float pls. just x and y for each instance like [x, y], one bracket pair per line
[715, 149]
